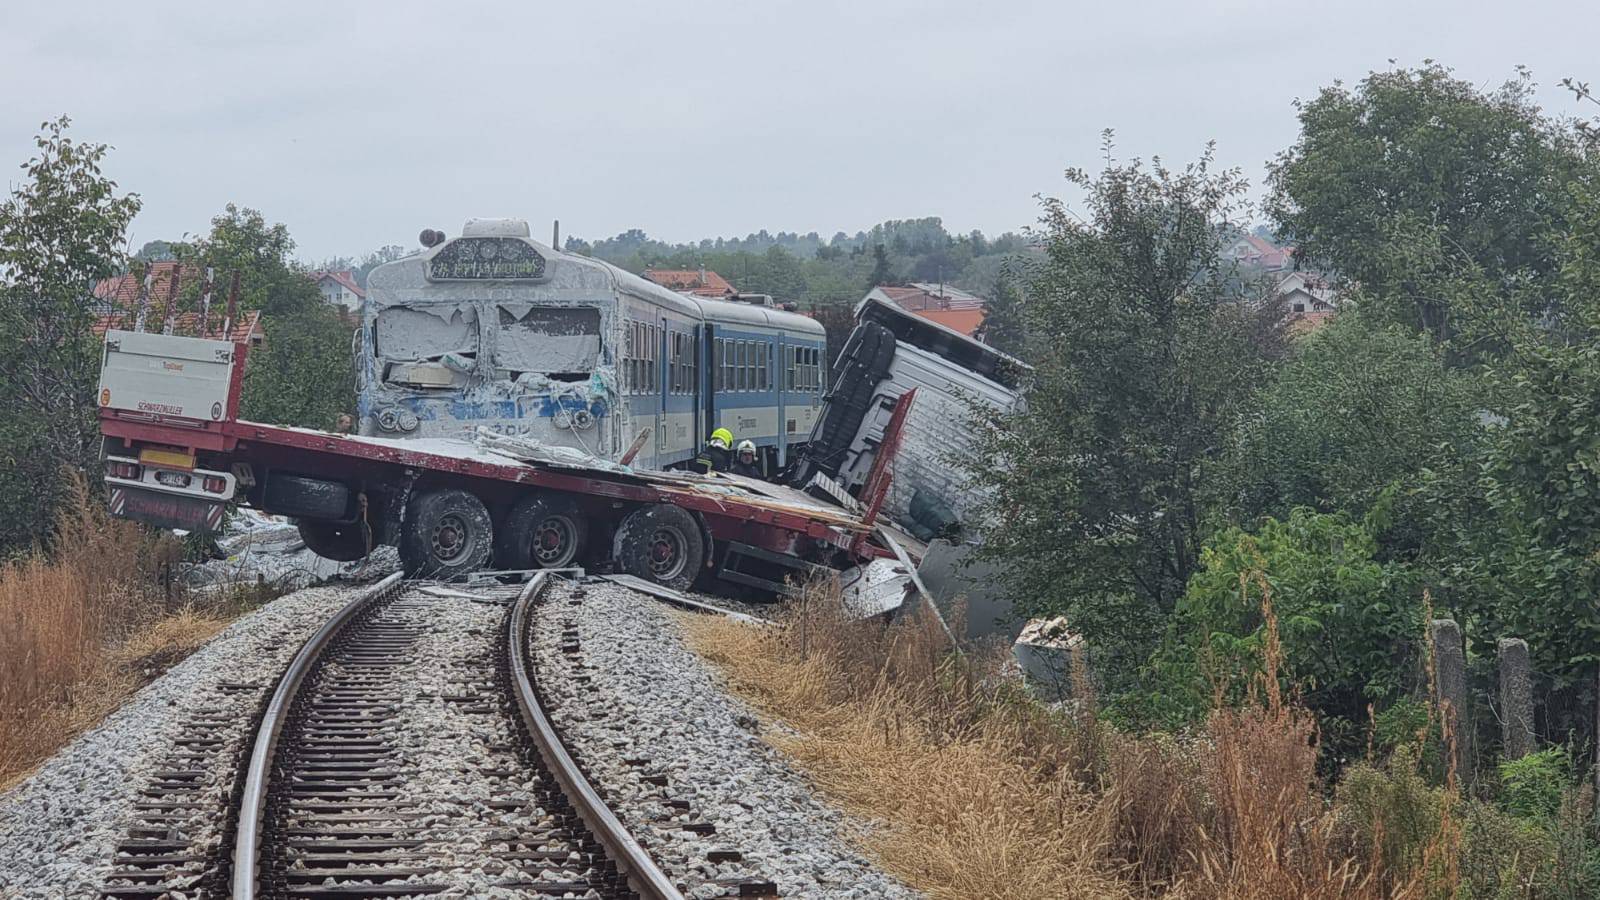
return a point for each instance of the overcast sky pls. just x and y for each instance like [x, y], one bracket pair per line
[359, 124]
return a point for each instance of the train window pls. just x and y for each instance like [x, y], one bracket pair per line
[627, 357]
[740, 348]
[766, 367]
[691, 344]
[652, 343]
[636, 368]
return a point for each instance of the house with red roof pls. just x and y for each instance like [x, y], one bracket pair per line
[116, 303]
[339, 288]
[700, 283]
[951, 307]
[1260, 253]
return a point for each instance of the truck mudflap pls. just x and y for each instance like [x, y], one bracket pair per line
[161, 509]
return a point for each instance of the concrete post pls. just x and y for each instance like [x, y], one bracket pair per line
[1516, 698]
[1450, 693]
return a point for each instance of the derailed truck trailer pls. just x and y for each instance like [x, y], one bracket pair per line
[176, 454]
[890, 353]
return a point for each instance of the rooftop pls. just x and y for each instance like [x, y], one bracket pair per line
[187, 323]
[345, 278]
[700, 282]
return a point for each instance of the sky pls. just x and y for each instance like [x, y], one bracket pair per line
[360, 124]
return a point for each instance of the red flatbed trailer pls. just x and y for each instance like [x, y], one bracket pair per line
[177, 452]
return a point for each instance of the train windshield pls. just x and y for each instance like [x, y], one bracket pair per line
[562, 342]
[427, 348]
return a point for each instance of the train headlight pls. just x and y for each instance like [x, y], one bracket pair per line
[388, 419]
[582, 419]
[408, 420]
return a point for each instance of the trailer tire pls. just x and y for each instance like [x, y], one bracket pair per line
[338, 541]
[661, 543]
[445, 534]
[543, 531]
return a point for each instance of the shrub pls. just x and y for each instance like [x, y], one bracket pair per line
[1533, 787]
[1346, 622]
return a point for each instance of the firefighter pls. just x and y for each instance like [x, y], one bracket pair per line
[744, 461]
[717, 455]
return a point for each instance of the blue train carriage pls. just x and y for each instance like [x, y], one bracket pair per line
[764, 375]
[494, 330]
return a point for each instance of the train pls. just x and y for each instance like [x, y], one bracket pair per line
[493, 331]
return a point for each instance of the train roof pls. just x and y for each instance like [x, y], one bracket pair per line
[406, 281]
[734, 312]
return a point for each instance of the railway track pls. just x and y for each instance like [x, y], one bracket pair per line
[404, 753]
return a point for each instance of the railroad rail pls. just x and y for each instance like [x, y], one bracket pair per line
[329, 808]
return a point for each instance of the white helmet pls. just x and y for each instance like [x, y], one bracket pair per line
[747, 445]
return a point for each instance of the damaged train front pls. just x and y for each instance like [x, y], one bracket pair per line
[489, 332]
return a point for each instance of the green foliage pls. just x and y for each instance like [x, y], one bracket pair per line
[1004, 326]
[1416, 185]
[1508, 856]
[61, 230]
[303, 376]
[1532, 787]
[1520, 551]
[1346, 623]
[1094, 494]
[817, 272]
[1391, 811]
[1358, 409]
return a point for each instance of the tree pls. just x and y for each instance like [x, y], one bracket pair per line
[1358, 409]
[1003, 317]
[1347, 623]
[1524, 554]
[61, 230]
[882, 268]
[1414, 180]
[303, 375]
[1094, 492]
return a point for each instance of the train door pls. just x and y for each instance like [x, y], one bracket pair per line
[780, 353]
[711, 350]
[659, 364]
[697, 423]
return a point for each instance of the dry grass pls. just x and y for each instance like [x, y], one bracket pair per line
[82, 625]
[974, 790]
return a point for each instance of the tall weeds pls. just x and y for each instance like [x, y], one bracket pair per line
[63, 610]
[976, 790]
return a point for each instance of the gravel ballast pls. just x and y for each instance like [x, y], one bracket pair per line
[651, 708]
[58, 827]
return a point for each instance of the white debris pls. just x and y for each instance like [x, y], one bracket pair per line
[528, 449]
[880, 586]
[265, 548]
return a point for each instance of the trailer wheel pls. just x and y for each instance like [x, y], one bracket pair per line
[445, 534]
[543, 531]
[340, 541]
[661, 543]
